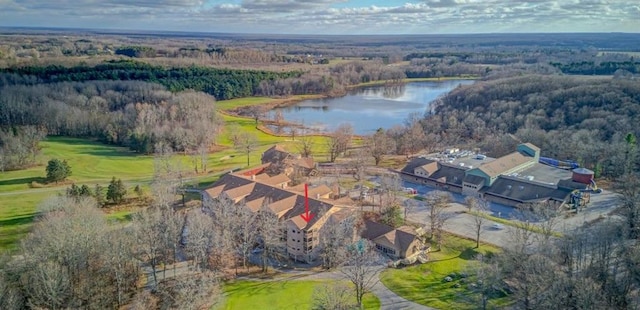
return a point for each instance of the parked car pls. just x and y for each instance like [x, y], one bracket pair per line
[409, 190]
[497, 226]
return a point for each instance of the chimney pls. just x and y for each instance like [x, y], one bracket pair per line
[318, 196]
[253, 177]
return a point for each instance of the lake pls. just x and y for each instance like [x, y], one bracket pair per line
[368, 108]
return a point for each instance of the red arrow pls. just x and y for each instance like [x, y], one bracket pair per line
[306, 216]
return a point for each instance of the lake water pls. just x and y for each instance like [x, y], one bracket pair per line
[368, 108]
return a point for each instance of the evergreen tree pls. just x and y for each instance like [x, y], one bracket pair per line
[98, 193]
[138, 191]
[73, 191]
[116, 191]
[57, 170]
[85, 191]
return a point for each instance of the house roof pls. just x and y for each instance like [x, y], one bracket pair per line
[570, 184]
[399, 239]
[524, 191]
[255, 193]
[504, 163]
[449, 174]
[373, 230]
[304, 162]
[226, 182]
[316, 208]
[415, 163]
[473, 179]
[275, 153]
[240, 191]
[276, 180]
[531, 146]
[430, 167]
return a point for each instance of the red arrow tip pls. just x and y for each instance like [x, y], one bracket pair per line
[307, 217]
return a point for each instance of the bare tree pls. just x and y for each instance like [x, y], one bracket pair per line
[196, 290]
[167, 176]
[628, 188]
[358, 165]
[546, 216]
[390, 191]
[246, 234]
[271, 235]
[437, 202]
[361, 267]
[477, 207]
[155, 229]
[256, 112]
[225, 217]
[63, 262]
[339, 141]
[335, 236]
[306, 145]
[378, 145]
[245, 142]
[198, 237]
[334, 296]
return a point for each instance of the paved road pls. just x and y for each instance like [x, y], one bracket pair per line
[463, 224]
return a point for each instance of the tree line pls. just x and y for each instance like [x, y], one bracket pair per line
[128, 113]
[220, 83]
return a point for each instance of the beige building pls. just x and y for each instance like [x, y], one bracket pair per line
[256, 190]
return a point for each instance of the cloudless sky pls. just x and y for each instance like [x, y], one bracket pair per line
[329, 16]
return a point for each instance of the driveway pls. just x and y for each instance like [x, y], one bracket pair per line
[462, 224]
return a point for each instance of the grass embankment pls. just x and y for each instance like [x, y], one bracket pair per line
[424, 284]
[278, 295]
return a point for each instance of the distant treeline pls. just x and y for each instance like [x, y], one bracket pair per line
[598, 68]
[220, 83]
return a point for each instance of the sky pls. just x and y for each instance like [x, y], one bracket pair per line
[328, 16]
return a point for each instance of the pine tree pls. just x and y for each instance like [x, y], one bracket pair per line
[57, 170]
[98, 193]
[116, 191]
[85, 191]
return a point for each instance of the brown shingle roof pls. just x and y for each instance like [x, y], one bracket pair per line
[283, 205]
[504, 163]
[256, 204]
[240, 192]
[373, 230]
[276, 180]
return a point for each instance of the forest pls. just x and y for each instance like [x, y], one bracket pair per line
[579, 118]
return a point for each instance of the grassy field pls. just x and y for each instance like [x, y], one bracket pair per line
[278, 295]
[94, 162]
[424, 284]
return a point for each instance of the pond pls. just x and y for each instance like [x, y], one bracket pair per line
[368, 108]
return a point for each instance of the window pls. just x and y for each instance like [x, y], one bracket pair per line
[309, 248]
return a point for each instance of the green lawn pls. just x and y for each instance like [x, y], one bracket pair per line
[424, 284]
[277, 295]
[94, 162]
